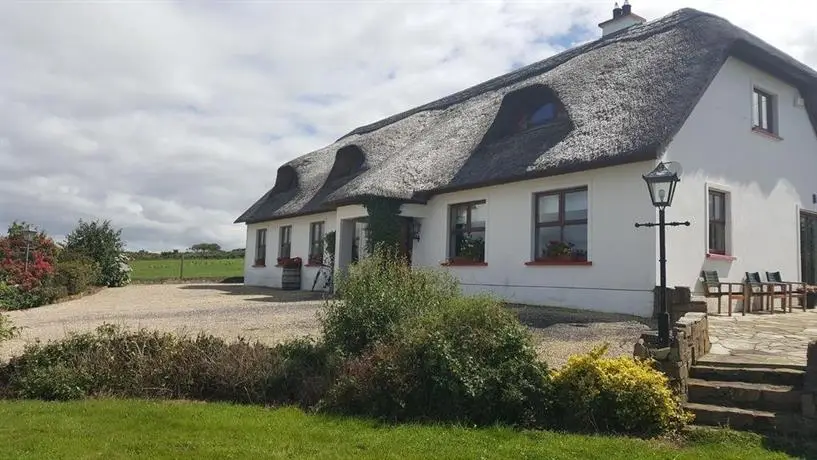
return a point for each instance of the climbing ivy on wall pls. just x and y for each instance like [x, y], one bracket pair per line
[383, 223]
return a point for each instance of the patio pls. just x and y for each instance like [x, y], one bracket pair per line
[779, 339]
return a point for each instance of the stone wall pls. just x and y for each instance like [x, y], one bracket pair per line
[689, 340]
[679, 300]
[809, 396]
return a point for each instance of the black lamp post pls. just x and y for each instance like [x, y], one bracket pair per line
[661, 183]
[28, 236]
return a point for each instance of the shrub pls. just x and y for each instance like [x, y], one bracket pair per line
[469, 361]
[7, 329]
[378, 295]
[114, 362]
[103, 244]
[618, 395]
[76, 275]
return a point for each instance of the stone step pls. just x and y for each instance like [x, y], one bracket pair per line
[733, 417]
[771, 376]
[759, 421]
[750, 362]
[760, 396]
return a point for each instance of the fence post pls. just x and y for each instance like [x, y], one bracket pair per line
[181, 268]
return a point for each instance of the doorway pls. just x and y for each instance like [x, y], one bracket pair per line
[808, 247]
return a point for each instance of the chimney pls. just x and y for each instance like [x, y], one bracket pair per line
[622, 18]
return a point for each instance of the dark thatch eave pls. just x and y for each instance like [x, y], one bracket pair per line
[625, 97]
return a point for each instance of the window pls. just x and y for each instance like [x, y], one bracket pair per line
[467, 238]
[541, 115]
[261, 246]
[316, 243]
[285, 242]
[763, 111]
[561, 225]
[717, 222]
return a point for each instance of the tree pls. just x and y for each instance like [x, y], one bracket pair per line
[103, 244]
[205, 247]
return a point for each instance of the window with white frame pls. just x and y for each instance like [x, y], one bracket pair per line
[718, 221]
[261, 246]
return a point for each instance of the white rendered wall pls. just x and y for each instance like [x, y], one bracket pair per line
[622, 275]
[768, 180]
[270, 275]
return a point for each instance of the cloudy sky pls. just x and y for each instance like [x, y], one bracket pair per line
[171, 118]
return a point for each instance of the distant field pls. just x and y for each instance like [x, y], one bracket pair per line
[193, 268]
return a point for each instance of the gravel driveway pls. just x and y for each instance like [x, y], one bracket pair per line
[271, 316]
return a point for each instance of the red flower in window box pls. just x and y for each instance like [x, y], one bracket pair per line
[290, 262]
[316, 259]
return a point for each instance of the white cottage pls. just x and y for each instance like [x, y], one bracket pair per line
[528, 185]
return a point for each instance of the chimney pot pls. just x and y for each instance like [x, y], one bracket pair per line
[627, 8]
[617, 11]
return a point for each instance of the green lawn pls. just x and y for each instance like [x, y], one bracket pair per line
[113, 429]
[193, 268]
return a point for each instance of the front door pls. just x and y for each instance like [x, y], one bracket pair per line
[406, 238]
[808, 247]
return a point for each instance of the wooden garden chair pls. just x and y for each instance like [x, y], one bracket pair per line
[793, 288]
[755, 287]
[714, 287]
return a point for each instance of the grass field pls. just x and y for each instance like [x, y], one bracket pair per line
[193, 268]
[113, 429]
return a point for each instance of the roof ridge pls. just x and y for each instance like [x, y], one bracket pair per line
[538, 67]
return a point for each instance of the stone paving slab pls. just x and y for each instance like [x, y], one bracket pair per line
[762, 338]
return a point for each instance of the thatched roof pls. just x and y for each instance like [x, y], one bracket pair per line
[626, 95]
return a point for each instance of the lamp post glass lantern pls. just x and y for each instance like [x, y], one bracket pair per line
[28, 236]
[661, 183]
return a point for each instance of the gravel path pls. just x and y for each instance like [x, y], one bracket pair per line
[271, 316]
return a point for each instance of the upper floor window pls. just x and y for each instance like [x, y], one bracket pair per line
[717, 222]
[467, 232]
[261, 246]
[316, 243]
[561, 225]
[763, 111]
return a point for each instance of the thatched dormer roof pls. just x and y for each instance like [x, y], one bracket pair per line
[625, 96]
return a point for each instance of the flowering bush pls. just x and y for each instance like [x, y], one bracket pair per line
[619, 395]
[13, 267]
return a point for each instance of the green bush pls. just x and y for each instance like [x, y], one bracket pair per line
[115, 362]
[376, 297]
[103, 244]
[76, 275]
[15, 298]
[471, 361]
[7, 329]
[618, 395]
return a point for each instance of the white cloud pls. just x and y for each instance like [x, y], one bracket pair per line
[172, 117]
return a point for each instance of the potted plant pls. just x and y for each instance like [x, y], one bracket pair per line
[580, 255]
[559, 250]
[289, 262]
[472, 249]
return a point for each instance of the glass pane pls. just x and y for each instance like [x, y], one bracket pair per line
[716, 206]
[478, 217]
[577, 235]
[576, 205]
[717, 237]
[544, 235]
[755, 109]
[459, 216]
[764, 112]
[548, 209]
[543, 114]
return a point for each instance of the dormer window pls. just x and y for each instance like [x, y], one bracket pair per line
[348, 161]
[286, 180]
[524, 109]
